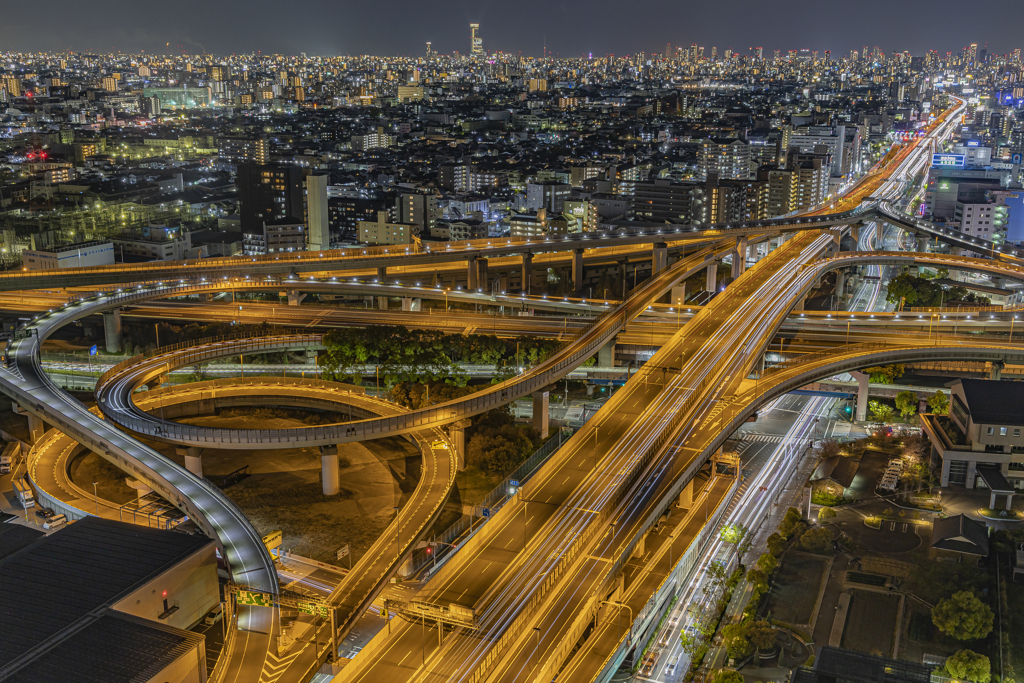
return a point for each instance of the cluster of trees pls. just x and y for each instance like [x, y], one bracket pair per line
[742, 638]
[885, 374]
[964, 616]
[404, 355]
[913, 290]
[717, 591]
[907, 403]
[496, 445]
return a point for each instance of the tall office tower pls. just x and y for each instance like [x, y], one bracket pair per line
[759, 52]
[728, 54]
[1016, 56]
[828, 56]
[668, 50]
[428, 48]
[318, 234]
[853, 55]
[972, 53]
[867, 55]
[693, 52]
[778, 54]
[476, 42]
[714, 54]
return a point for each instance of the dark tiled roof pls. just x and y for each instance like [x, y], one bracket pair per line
[52, 583]
[960, 534]
[14, 537]
[114, 648]
[837, 468]
[994, 401]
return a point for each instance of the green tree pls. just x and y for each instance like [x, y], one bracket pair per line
[885, 374]
[963, 616]
[825, 514]
[906, 402]
[792, 524]
[757, 577]
[776, 544]
[762, 635]
[880, 412]
[767, 563]
[734, 535]
[727, 676]
[969, 666]
[817, 540]
[939, 403]
[734, 637]
[690, 642]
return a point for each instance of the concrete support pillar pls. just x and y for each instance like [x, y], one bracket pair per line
[855, 235]
[540, 413]
[527, 272]
[678, 295]
[193, 459]
[972, 473]
[411, 304]
[483, 281]
[996, 372]
[739, 258]
[577, 271]
[1009, 501]
[382, 303]
[35, 427]
[330, 476]
[112, 330]
[472, 282]
[606, 355]
[641, 547]
[800, 303]
[999, 282]
[294, 297]
[711, 283]
[457, 432]
[922, 242]
[659, 257]
[862, 394]
[840, 283]
[382, 273]
[686, 496]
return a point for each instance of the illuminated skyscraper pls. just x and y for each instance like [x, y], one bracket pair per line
[476, 42]
[428, 48]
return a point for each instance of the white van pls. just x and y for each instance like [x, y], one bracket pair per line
[55, 522]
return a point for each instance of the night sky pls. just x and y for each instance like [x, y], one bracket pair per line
[570, 28]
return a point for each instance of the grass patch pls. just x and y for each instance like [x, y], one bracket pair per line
[1004, 515]
[793, 598]
[873, 522]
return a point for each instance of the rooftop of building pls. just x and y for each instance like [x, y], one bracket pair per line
[994, 401]
[54, 582]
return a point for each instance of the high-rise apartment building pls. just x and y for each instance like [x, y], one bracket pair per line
[728, 158]
[662, 201]
[419, 209]
[269, 194]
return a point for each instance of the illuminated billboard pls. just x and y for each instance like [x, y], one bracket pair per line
[948, 160]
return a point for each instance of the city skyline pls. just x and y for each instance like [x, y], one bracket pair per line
[532, 29]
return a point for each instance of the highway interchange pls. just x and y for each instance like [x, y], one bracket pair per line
[561, 556]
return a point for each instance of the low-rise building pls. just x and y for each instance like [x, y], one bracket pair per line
[383, 231]
[69, 256]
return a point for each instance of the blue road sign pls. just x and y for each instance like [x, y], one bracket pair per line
[92, 350]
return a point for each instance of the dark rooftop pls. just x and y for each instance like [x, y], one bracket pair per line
[14, 537]
[838, 469]
[113, 648]
[994, 401]
[65, 576]
[960, 534]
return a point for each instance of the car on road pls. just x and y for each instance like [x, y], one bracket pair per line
[670, 670]
[650, 663]
[45, 513]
